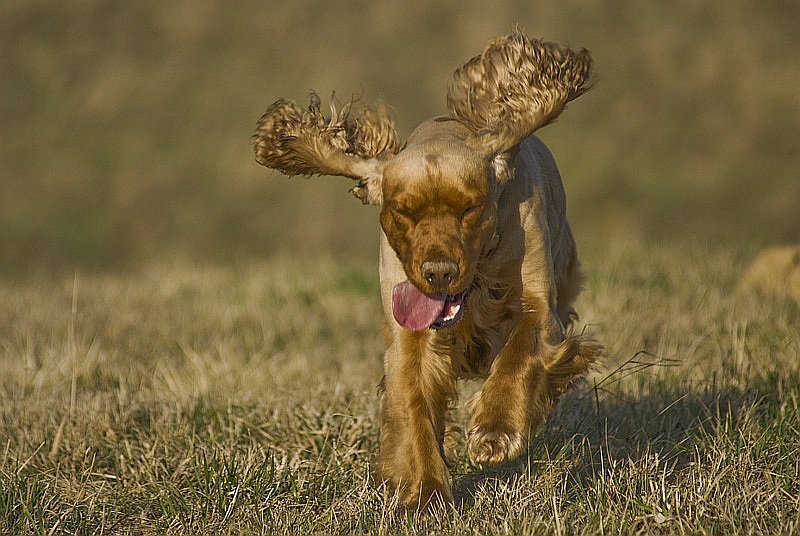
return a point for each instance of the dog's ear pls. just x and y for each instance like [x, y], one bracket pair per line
[304, 142]
[514, 87]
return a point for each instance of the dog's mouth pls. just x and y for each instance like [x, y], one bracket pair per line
[415, 310]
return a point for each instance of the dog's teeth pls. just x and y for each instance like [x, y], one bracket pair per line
[453, 312]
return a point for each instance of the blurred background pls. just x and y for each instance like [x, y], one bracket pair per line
[125, 126]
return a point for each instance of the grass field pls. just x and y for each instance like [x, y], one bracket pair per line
[126, 126]
[190, 345]
[201, 400]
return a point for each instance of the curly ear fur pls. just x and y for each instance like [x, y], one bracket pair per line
[516, 86]
[297, 142]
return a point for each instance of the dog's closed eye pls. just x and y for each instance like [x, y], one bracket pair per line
[472, 210]
[403, 213]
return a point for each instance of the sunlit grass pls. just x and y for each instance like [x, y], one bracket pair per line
[234, 396]
[126, 127]
[189, 400]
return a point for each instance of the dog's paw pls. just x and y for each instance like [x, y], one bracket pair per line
[424, 495]
[453, 441]
[491, 447]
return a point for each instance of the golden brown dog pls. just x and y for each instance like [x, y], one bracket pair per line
[478, 266]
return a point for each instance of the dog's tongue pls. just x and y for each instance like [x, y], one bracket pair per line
[414, 309]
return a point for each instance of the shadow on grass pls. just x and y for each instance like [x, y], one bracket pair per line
[666, 419]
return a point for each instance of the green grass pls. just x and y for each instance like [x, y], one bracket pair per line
[183, 349]
[204, 400]
[126, 126]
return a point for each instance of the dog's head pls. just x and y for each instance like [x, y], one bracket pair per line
[438, 191]
[439, 215]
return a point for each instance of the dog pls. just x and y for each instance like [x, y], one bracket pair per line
[478, 265]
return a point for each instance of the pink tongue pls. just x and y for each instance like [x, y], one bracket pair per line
[413, 309]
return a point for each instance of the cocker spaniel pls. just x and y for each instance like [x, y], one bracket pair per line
[478, 266]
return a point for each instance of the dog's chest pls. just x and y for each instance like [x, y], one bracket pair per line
[474, 342]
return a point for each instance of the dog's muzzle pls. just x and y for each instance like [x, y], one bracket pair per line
[415, 310]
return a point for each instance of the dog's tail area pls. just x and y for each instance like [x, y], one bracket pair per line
[514, 87]
[570, 360]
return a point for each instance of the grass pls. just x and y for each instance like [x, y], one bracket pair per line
[126, 127]
[148, 393]
[200, 400]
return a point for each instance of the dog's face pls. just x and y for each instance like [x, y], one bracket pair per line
[439, 217]
[438, 192]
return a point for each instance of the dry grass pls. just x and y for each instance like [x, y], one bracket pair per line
[191, 400]
[126, 126]
[185, 399]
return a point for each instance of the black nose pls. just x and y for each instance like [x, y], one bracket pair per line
[439, 273]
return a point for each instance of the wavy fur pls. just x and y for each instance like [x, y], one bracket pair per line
[298, 142]
[515, 87]
[477, 197]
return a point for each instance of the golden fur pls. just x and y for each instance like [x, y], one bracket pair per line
[472, 205]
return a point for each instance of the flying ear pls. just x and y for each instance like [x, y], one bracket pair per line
[514, 87]
[298, 142]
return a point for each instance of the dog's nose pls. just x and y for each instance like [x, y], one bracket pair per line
[439, 273]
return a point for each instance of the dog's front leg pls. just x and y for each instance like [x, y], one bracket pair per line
[418, 384]
[537, 363]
